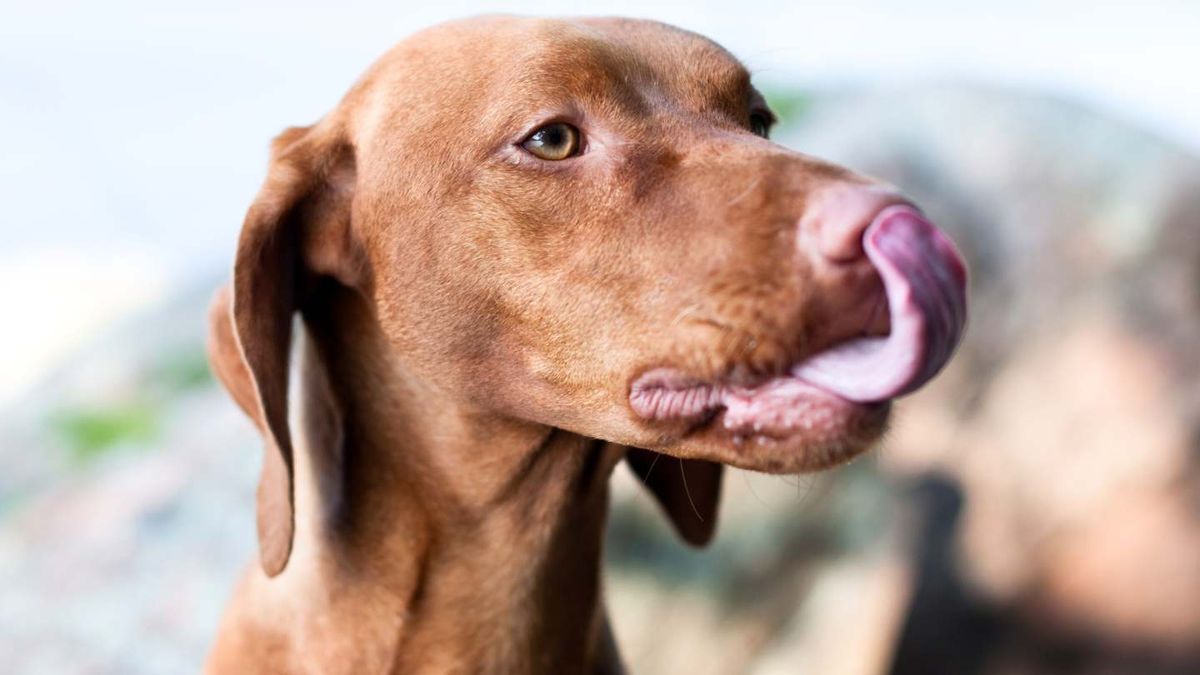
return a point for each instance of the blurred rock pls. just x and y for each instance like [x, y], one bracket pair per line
[1071, 417]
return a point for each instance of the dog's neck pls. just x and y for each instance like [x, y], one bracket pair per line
[465, 542]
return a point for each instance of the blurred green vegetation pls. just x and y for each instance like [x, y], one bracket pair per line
[789, 105]
[92, 429]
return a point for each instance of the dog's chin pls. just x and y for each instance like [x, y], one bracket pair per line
[784, 425]
[843, 431]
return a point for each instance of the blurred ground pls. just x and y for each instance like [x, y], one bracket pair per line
[1036, 510]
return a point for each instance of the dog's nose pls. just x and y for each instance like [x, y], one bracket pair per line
[923, 278]
[836, 217]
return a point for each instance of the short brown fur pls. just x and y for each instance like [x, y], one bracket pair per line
[472, 319]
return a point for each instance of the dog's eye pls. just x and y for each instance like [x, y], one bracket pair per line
[760, 124]
[553, 142]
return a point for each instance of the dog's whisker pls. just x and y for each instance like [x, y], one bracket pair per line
[684, 314]
[753, 184]
[686, 491]
[654, 461]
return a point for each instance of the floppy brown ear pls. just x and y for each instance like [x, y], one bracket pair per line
[306, 193]
[688, 490]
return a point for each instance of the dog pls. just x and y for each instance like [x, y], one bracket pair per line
[523, 251]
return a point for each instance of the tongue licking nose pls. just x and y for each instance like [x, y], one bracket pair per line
[925, 282]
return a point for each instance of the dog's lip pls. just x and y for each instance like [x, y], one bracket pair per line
[776, 406]
[780, 424]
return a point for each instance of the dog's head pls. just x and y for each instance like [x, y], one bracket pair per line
[583, 224]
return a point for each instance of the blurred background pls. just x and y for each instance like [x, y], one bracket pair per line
[1035, 510]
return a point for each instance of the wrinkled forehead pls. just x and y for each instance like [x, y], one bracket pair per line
[631, 57]
[592, 60]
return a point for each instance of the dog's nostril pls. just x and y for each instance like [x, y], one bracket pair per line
[839, 243]
[838, 216]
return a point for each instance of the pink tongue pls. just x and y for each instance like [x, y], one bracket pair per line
[926, 284]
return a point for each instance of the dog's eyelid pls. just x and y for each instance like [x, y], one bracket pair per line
[759, 108]
[762, 120]
[534, 127]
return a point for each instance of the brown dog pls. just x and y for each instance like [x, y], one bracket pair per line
[524, 250]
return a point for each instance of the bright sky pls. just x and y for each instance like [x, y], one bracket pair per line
[133, 135]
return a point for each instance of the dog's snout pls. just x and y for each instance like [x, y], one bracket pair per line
[835, 218]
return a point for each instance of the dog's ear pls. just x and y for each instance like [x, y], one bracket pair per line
[292, 234]
[688, 490]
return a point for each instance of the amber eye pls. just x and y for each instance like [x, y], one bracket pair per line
[760, 124]
[553, 142]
